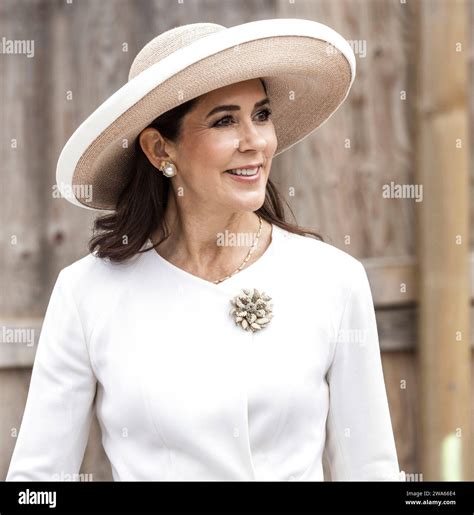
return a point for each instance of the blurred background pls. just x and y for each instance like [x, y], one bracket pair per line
[387, 179]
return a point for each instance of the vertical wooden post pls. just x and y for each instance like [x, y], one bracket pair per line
[442, 150]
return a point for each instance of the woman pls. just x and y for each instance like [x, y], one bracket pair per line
[208, 353]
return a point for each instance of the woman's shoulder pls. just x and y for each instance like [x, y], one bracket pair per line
[321, 266]
[314, 252]
[91, 276]
[91, 267]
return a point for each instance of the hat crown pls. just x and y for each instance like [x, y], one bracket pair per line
[168, 42]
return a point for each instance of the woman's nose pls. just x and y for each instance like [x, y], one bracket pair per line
[252, 137]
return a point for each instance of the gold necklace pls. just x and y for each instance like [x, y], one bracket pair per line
[252, 248]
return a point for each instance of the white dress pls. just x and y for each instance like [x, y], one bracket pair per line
[182, 392]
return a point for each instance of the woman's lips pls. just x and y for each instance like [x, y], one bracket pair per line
[246, 178]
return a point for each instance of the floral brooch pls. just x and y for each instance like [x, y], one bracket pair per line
[252, 310]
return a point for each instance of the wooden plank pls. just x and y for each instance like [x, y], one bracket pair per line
[25, 134]
[400, 376]
[443, 241]
[334, 179]
[18, 341]
[470, 19]
[86, 71]
[392, 280]
[13, 394]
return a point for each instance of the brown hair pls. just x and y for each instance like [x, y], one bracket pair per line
[142, 203]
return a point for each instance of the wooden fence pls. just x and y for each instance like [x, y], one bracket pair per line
[333, 180]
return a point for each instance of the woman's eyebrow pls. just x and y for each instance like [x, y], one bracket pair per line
[217, 109]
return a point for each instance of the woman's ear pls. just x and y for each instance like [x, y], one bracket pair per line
[153, 146]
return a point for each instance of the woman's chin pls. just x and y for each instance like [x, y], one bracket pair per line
[251, 205]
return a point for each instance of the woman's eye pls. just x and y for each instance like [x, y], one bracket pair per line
[266, 112]
[219, 123]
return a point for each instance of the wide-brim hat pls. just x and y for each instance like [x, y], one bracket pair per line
[307, 67]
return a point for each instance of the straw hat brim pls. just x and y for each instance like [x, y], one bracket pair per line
[308, 69]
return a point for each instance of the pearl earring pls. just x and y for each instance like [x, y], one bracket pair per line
[168, 168]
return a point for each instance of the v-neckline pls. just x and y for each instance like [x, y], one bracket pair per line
[269, 251]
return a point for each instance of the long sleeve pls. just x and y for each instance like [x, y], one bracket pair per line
[55, 425]
[360, 445]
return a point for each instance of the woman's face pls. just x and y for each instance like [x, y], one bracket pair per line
[215, 139]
